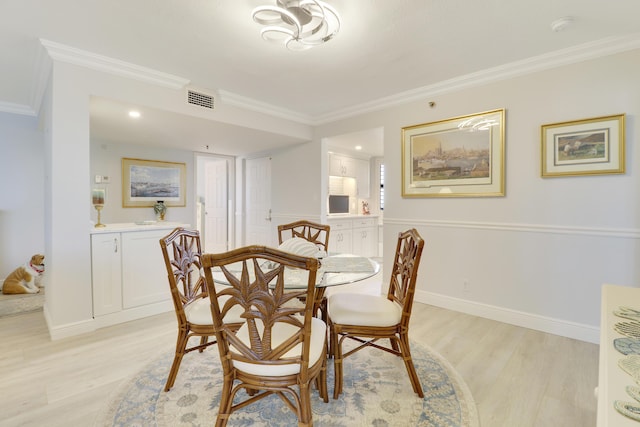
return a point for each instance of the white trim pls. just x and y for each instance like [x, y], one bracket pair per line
[23, 110]
[60, 52]
[583, 52]
[513, 317]
[524, 228]
[230, 98]
[90, 325]
[69, 329]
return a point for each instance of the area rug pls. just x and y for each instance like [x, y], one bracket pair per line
[376, 392]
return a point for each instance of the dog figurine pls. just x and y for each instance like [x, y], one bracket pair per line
[25, 279]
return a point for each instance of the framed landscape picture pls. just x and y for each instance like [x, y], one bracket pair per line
[584, 147]
[458, 157]
[144, 182]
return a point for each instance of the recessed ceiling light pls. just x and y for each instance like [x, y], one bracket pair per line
[134, 114]
[358, 147]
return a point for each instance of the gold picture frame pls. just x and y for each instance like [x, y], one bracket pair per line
[458, 157]
[144, 182]
[594, 146]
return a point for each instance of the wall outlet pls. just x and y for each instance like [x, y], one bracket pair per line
[466, 286]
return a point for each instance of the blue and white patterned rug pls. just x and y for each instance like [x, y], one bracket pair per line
[376, 392]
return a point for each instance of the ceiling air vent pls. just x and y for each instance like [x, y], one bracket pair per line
[200, 99]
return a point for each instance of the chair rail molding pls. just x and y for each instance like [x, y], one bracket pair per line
[523, 228]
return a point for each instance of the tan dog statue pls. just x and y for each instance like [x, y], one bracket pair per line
[25, 279]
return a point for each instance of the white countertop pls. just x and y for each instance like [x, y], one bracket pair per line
[132, 226]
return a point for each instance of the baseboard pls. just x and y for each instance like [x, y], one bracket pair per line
[526, 320]
[68, 330]
[90, 325]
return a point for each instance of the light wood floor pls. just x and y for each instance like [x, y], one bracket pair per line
[518, 377]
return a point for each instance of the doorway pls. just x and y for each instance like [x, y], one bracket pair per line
[214, 201]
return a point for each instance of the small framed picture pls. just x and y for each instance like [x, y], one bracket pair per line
[584, 147]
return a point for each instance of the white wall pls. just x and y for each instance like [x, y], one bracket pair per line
[538, 256]
[295, 185]
[21, 190]
[106, 159]
[68, 305]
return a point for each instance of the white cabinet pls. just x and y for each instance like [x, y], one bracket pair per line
[129, 278]
[356, 235]
[341, 166]
[340, 236]
[352, 168]
[144, 275]
[365, 237]
[106, 273]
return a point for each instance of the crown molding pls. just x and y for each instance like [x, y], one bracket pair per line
[59, 52]
[63, 53]
[230, 98]
[22, 109]
[584, 52]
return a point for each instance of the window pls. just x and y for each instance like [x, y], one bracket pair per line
[381, 186]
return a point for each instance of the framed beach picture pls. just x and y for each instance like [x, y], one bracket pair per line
[144, 182]
[584, 147]
[458, 157]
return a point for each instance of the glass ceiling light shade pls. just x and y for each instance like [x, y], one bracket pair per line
[298, 24]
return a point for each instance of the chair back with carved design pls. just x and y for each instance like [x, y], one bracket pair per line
[310, 231]
[280, 347]
[402, 285]
[367, 319]
[183, 260]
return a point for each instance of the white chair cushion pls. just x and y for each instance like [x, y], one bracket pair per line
[198, 312]
[281, 332]
[299, 246]
[363, 310]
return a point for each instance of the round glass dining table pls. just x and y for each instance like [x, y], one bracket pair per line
[335, 270]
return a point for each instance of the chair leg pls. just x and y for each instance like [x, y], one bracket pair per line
[226, 400]
[181, 344]
[203, 341]
[305, 419]
[322, 382]
[408, 362]
[337, 363]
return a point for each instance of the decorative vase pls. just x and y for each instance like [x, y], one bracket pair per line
[160, 209]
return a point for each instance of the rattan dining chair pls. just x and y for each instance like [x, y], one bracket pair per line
[313, 232]
[308, 230]
[280, 347]
[182, 254]
[369, 318]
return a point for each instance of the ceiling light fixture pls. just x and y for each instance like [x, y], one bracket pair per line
[299, 24]
[134, 114]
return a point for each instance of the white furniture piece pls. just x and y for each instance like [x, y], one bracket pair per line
[344, 166]
[357, 235]
[128, 273]
[612, 380]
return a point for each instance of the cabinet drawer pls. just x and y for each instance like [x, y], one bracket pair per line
[364, 222]
[345, 224]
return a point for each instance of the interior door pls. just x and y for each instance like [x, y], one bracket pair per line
[258, 202]
[215, 209]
